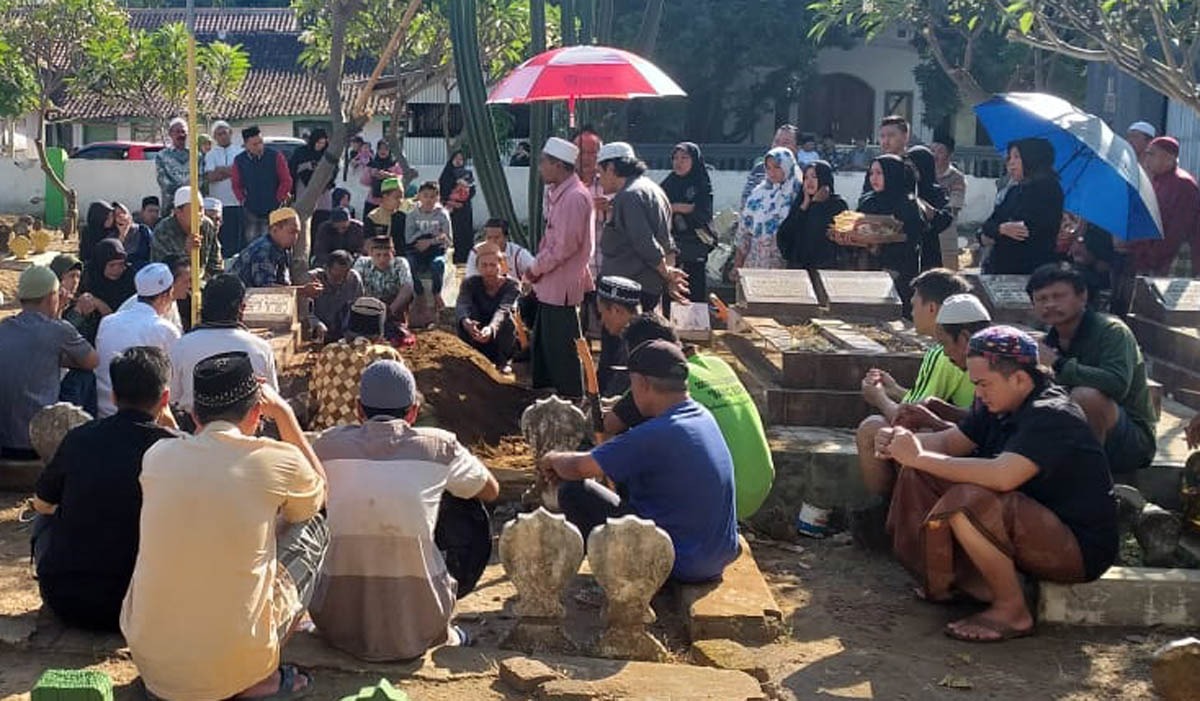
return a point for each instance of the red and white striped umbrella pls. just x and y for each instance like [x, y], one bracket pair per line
[584, 72]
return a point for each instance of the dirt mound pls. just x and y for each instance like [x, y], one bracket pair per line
[468, 395]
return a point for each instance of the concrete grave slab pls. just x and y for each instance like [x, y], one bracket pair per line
[739, 607]
[781, 294]
[273, 308]
[1171, 301]
[1005, 297]
[1126, 596]
[867, 294]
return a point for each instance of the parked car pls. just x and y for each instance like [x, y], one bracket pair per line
[118, 151]
[287, 145]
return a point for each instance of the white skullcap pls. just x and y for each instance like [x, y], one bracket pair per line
[1143, 128]
[153, 280]
[183, 196]
[177, 121]
[962, 309]
[561, 149]
[615, 150]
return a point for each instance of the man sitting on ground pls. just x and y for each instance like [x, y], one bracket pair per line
[675, 467]
[145, 324]
[715, 385]
[515, 259]
[340, 286]
[221, 580]
[388, 278]
[86, 540]
[1021, 485]
[181, 290]
[938, 378]
[34, 345]
[340, 366]
[386, 482]
[220, 331]
[340, 233]
[1098, 359]
[484, 309]
[618, 299]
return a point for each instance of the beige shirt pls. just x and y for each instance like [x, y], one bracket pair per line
[203, 606]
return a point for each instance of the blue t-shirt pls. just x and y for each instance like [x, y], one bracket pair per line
[678, 472]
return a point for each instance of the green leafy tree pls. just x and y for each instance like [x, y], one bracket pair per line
[18, 84]
[1157, 42]
[44, 53]
[734, 58]
[149, 69]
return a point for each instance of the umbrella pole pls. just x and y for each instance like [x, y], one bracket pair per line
[571, 112]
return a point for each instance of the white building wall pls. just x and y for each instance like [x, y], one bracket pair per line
[22, 187]
[1184, 124]
[886, 64]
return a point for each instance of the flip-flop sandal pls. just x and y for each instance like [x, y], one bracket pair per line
[1002, 631]
[287, 682]
[464, 638]
[955, 597]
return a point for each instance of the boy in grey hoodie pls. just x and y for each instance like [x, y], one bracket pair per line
[426, 233]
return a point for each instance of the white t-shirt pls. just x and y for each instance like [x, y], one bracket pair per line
[222, 157]
[139, 325]
[201, 343]
[520, 260]
[172, 313]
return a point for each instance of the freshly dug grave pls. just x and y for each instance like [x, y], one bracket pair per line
[808, 337]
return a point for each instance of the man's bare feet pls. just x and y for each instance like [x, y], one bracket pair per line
[992, 626]
[274, 684]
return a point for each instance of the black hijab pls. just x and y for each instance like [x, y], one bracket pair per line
[1037, 158]
[111, 292]
[95, 230]
[694, 188]
[308, 153]
[899, 180]
[451, 174]
[803, 237]
[928, 188]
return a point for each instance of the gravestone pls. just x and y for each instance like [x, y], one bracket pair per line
[1171, 301]
[272, 308]
[541, 553]
[1006, 298]
[859, 293]
[551, 425]
[51, 424]
[781, 294]
[631, 558]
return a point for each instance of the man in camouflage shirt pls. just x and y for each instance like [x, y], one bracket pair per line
[172, 236]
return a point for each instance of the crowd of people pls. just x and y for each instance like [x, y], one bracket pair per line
[998, 461]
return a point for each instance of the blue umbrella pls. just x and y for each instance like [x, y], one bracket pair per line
[1099, 170]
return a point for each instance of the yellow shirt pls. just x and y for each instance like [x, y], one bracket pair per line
[202, 609]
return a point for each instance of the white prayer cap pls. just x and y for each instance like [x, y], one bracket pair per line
[962, 309]
[615, 150]
[220, 124]
[561, 149]
[213, 204]
[1143, 128]
[183, 196]
[178, 121]
[153, 280]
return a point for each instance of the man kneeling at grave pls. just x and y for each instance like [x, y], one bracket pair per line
[385, 591]
[1021, 486]
[485, 307]
[715, 385]
[617, 299]
[939, 381]
[674, 468]
[86, 540]
[231, 542]
[1098, 359]
[340, 366]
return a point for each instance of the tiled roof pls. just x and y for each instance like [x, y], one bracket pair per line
[276, 86]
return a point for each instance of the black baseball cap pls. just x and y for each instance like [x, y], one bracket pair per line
[658, 358]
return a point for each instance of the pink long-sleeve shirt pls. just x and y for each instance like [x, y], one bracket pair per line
[567, 246]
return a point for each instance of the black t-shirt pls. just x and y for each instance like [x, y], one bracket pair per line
[93, 478]
[1072, 479]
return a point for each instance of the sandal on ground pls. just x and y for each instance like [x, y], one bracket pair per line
[287, 683]
[1002, 631]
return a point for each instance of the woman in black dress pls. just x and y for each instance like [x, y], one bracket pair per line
[1023, 229]
[457, 185]
[894, 193]
[934, 205]
[107, 283]
[100, 225]
[689, 189]
[803, 237]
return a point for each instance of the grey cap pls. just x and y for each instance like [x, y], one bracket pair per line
[387, 384]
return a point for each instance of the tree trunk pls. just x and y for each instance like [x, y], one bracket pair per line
[71, 217]
[647, 38]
